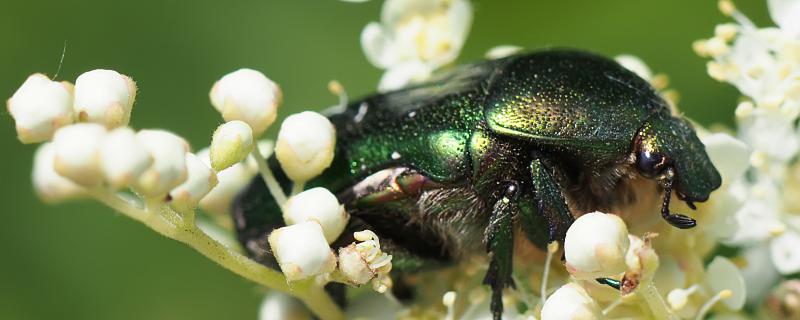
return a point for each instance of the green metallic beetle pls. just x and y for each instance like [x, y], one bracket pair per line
[453, 167]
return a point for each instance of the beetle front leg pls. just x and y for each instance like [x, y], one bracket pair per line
[500, 246]
[547, 217]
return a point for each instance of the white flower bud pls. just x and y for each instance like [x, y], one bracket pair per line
[169, 162]
[123, 158]
[231, 181]
[77, 153]
[49, 185]
[502, 51]
[278, 305]
[301, 250]
[305, 145]
[249, 96]
[320, 205]
[635, 65]
[231, 143]
[39, 107]
[572, 302]
[105, 97]
[595, 246]
[201, 179]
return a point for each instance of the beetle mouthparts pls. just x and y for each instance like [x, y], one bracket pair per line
[675, 219]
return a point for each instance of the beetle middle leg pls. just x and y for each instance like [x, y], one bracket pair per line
[500, 246]
[547, 217]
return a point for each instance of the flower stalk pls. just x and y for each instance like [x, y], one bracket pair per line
[180, 227]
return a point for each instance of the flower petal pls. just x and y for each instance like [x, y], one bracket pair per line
[784, 252]
[785, 13]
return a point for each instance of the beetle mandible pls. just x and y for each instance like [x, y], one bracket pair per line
[528, 142]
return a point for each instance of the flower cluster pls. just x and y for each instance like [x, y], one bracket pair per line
[152, 176]
[760, 190]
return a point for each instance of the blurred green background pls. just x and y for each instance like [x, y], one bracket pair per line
[81, 261]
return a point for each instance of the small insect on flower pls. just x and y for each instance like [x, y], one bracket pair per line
[451, 168]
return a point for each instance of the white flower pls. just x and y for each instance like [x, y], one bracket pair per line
[785, 252]
[201, 179]
[729, 155]
[785, 13]
[635, 65]
[429, 32]
[764, 64]
[301, 250]
[641, 263]
[77, 153]
[231, 143]
[400, 75]
[231, 180]
[278, 305]
[320, 205]
[105, 97]
[39, 107]
[571, 302]
[49, 185]
[722, 274]
[595, 246]
[249, 96]
[169, 162]
[305, 145]
[123, 158]
[364, 260]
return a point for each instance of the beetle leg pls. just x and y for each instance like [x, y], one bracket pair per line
[550, 218]
[676, 219]
[387, 185]
[500, 246]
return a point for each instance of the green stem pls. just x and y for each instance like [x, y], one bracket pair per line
[311, 294]
[654, 302]
[269, 178]
[298, 187]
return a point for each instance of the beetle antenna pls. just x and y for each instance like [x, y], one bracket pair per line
[675, 219]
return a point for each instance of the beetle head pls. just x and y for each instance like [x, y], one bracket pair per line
[667, 148]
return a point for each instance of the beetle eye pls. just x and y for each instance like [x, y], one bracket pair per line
[651, 164]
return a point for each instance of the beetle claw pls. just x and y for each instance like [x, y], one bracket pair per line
[681, 221]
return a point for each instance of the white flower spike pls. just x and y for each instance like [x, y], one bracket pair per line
[320, 205]
[50, 186]
[571, 301]
[169, 162]
[301, 251]
[39, 107]
[249, 96]
[595, 246]
[105, 97]
[201, 179]
[123, 158]
[305, 145]
[77, 153]
[231, 143]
